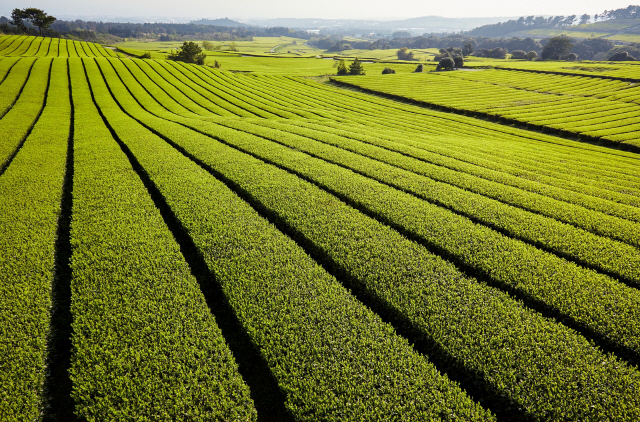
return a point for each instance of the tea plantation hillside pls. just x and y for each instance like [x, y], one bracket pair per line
[186, 243]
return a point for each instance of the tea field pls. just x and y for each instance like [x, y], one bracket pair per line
[187, 243]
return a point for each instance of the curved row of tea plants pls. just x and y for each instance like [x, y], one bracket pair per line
[509, 102]
[327, 225]
[332, 358]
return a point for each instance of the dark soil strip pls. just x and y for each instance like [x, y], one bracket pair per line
[59, 405]
[265, 393]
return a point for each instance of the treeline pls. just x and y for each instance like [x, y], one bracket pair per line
[421, 42]
[90, 31]
[498, 48]
[537, 22]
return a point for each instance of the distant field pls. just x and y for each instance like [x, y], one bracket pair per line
[187, 243]
[586, 106]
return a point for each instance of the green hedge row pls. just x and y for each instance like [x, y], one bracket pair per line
[387, 167]
[333, 358]
[13, 84]
[19, 120]
[449, 303]
[145, 344]
[30, 195]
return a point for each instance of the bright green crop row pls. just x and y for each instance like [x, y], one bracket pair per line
[417, 286]
[15, 45]
[19, 120]
[332, 357]
[182, 73]
[19, 46]
[12, 44]
[146, 345]
[549, 83]
[489, 99]
[609, 188]
[5, 66]
[250, 80]
[14, 83]
[490, 183]
[578, 198]
[205, 99]
[550, 207]
[588, 298]
[456, 123]
[30, 195]
[388, 167]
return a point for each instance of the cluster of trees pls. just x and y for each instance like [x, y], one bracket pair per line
[209, 46]
[188, 53]
[535, 22]
[405, 54]
[525, 23]
[629, 12]
[355, 68]
[90, 31]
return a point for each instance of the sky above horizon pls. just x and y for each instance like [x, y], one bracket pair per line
[327, 9]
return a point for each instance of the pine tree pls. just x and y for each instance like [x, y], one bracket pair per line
[356, 68]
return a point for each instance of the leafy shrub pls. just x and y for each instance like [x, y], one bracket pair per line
[388, 71]
[532, 55]
[146, 55]
[405, 54]
[420, 68]
[188, 53]
[342, 68]
[518, 55]
[446, 64]
[571, 57]
[458, 62]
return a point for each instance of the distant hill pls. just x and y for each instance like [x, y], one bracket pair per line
[218, 22]
[415, 25]
[619, 25]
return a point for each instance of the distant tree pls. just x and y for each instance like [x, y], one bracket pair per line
[342, 68]
[583, 51]
[217, 64]
[388, 71]
[598, 45]
[468, 49]
[208, 45]
[17, 19]
[584, 19]
[445, 64]
[518, 55]
[622, 56]
[571, 57]
[146, 55]
[568, 21]
[556, 48]
[37, 17]
[356, 68]
[419, 69]
[532, 55]
[232, 47]
[188, 53]
[405, 54]
[458, 62]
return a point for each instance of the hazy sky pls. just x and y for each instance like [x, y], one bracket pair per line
[336, 9]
